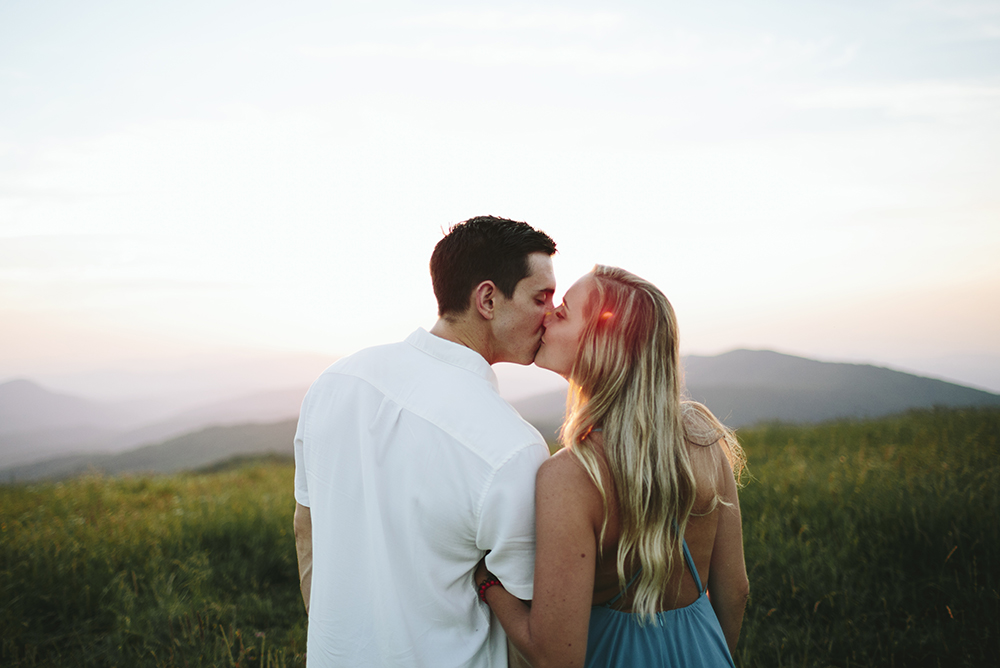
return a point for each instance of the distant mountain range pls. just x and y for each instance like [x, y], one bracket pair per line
[745, 387]
[190, 451]
[37, 425]
[750, 386]
[49, 435]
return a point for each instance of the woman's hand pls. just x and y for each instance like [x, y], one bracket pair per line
[481, 573]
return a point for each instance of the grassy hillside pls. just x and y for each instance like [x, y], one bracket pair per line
[874, 543]
[186, 570]
[190, 451]
[868, 544]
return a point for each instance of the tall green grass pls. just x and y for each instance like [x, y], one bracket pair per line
[867, 543]
[874, 543]
[194, 570]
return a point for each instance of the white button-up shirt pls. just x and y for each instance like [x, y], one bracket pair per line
[413, 466]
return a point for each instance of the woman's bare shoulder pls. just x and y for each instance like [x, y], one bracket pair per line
[711, 455]
[713, 474]
[563, 466]
[700, 426]
[712, 447]
[563, 475]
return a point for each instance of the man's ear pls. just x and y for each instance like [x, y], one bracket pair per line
[483, 299]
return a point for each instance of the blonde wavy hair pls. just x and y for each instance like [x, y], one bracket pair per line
[627, 380]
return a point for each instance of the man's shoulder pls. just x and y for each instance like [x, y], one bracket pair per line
[459, 402]
[371, 355]
[493, 428]
[365, 362]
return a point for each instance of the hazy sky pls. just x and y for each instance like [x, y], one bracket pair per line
[196, 177]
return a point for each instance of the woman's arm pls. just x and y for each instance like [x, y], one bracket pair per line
[728, 586]
[553, 630]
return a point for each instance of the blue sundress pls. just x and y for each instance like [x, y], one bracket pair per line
[690, 636]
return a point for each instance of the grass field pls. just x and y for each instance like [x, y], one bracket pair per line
[874, 543]
[185, 570]
[868, 544]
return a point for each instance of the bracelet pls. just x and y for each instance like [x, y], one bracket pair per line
[490, 581]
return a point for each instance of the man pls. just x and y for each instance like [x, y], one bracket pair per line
[409, 467]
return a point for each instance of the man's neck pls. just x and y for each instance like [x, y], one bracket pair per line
[465, 334]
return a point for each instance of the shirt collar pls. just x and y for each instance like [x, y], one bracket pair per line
[453, 353]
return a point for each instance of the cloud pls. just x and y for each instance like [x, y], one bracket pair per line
[88, 271]
[678, 52]
[929, 99]
[977, 20]
[558, 21]
[16, 74]
[848, 55]
[959, 9]
[69, 250]
[631, 60]
[41, 194]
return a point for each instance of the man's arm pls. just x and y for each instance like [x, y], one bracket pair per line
[304, 549]
[506, 528]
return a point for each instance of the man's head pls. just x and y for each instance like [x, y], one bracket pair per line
[496, 274]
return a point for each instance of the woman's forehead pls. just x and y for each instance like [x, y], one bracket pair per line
[579, 291]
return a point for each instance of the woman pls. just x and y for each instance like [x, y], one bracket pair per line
[643, 491]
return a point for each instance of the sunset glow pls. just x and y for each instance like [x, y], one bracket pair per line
[190, 182]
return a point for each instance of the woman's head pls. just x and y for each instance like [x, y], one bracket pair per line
[564, 327]
[612, 327]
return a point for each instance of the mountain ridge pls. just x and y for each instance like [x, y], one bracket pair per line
[81, 426]
[191, 451]
[742, 387]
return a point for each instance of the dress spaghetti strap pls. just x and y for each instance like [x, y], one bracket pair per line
[691, 567]
[618, 596]
[688, 559]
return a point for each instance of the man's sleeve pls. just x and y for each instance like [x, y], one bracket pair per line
[507, 521]
[301, 488]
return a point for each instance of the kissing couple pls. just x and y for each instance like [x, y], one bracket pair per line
[431, 524]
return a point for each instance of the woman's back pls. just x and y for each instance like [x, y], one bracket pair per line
[709, 465]
[686, 630]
